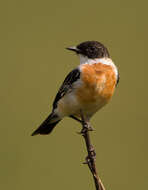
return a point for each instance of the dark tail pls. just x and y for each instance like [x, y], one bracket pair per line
[47, 126]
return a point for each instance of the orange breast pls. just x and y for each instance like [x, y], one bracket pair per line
[99, 82]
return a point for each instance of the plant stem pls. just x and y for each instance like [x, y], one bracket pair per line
[91, 158]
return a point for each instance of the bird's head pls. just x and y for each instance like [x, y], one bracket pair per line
[91, 50]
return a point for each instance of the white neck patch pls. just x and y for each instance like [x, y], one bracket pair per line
[105, 61]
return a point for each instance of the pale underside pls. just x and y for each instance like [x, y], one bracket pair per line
[70, 105]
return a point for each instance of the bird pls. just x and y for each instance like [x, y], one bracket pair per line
[86, 89]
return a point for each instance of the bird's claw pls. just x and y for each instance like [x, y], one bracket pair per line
[86, 127]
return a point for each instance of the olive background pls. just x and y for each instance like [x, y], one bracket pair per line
[34, 62]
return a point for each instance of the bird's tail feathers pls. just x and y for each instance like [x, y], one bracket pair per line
[47, 126]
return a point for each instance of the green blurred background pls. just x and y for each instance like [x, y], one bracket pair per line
[33, 59]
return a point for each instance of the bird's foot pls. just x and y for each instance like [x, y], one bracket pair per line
[86, 127]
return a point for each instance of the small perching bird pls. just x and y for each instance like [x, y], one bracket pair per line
[86, 89]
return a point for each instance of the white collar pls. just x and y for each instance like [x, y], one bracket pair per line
[105, 61]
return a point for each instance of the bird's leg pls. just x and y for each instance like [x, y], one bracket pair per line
[86, 125]
[75, 118]
[90, 128]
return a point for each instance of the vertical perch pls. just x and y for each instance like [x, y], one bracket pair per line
[91, 158]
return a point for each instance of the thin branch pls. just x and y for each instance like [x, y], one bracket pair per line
[91, 158]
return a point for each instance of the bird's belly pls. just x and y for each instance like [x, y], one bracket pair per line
[90, 104]
[72, 104]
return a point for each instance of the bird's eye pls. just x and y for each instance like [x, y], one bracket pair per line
[91, 49]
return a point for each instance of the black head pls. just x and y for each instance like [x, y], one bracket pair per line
[91, 49]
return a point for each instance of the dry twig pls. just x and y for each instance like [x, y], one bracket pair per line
[91, 158]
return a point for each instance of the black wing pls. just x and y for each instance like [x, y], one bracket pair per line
[73, 76]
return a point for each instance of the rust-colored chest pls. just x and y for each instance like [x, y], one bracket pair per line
[99, 81]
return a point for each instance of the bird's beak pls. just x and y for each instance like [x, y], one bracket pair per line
[75, 49]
